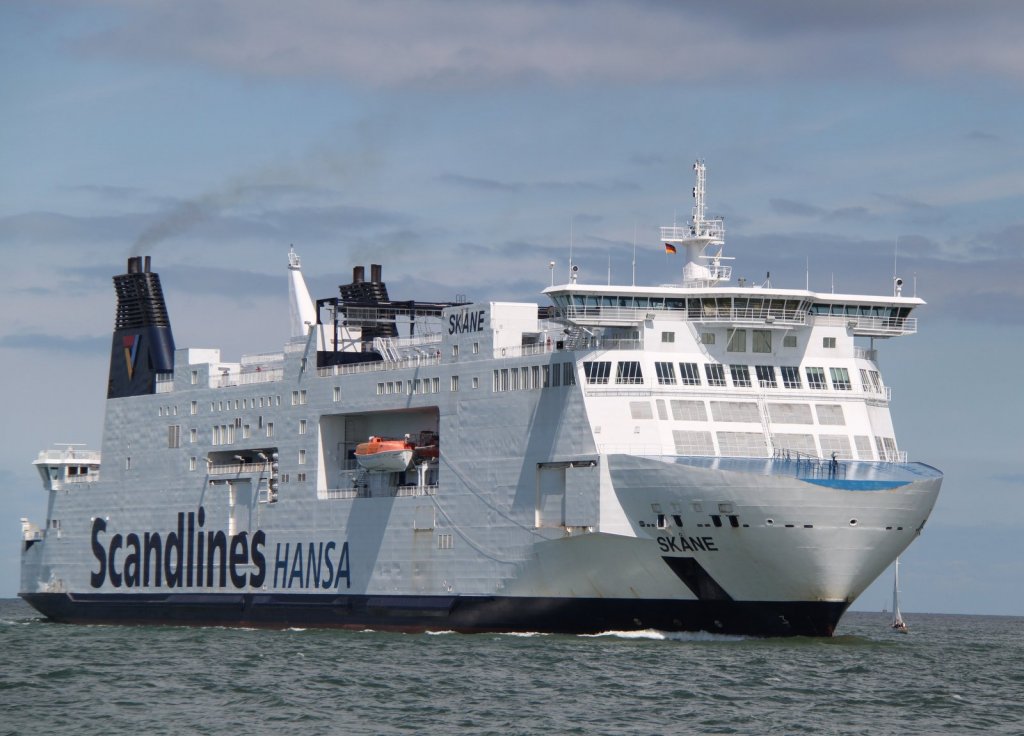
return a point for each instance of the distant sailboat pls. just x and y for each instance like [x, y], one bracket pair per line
[898, 624]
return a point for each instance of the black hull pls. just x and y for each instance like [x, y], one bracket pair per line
[467, 614]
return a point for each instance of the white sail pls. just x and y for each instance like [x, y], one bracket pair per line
[897, 618]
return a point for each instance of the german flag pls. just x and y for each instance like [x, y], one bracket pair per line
[669, 248]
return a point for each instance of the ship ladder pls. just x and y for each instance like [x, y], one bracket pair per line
[386, 347]
[762, 410]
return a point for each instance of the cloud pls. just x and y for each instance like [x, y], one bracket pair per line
[792, 207]
[981, 135]
[803, 209]
[472, 182]
[56, 343]
[492, 185]
[459, 43]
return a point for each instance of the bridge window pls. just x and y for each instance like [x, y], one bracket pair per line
[791, 377]
[690, 374]
[840, 378]
[597, 371]
[666, 373]
[628, 371]
[715, 373]
[707, 338]
[789, 341]
[737, 341]
[816, 378]
[766, 376]
[740, 375]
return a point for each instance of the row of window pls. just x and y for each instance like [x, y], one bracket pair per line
[226, 434]
[413, 386]
[696, 410]
[754, 444]
[629, 372]
[532, 377]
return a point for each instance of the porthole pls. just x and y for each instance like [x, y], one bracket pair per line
[769, 522]
[853, 522]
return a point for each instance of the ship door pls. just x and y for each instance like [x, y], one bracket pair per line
[240, 506]
[551, 495]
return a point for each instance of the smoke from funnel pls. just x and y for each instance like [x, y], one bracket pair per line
[320, 167]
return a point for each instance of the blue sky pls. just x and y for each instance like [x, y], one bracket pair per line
[455, 142]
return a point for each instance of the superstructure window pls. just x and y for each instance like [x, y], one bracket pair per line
[876, 380]
[816, 378]
[666, 373]
[740, 375]
[715, 373]
[737, 341]
[174, 435]
[828, 342]
[689, 374]
[766, 376]
[840, 379]
[762, 341]
[597, 371]
[668, 337]
[791, 377]
[568, 374]
[628, 371]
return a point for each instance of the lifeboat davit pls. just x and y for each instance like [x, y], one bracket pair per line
[385, 455]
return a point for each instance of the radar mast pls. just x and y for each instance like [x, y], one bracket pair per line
[702, 240]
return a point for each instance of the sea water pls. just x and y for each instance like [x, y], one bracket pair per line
[949, 675]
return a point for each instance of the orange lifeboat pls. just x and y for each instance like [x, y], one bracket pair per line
[385, 455]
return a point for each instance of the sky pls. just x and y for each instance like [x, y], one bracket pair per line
[464, 144]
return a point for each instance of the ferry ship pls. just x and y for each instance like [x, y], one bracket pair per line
[695, 456]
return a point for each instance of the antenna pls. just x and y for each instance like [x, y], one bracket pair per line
[634, 253]
[897, 282]
[571, 223]
[609, 267]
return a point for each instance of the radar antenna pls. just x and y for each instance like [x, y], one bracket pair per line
[703, 239]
